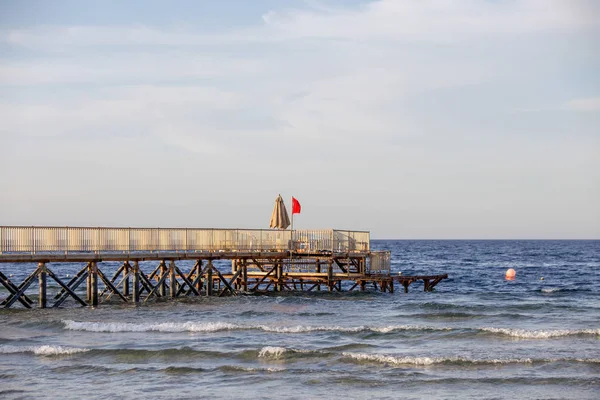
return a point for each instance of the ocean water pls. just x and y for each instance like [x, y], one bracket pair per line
[476, 336]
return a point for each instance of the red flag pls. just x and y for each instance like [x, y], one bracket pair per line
[295, 206]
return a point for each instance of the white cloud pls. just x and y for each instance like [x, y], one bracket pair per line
[411, 98]
[125, 67]
[437, 20]
[433, 20]
[584, 104]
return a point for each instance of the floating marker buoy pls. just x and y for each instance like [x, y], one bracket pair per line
[510, 274]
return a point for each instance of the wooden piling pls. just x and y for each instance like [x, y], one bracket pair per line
[199, 275]
[318, 270]
[172, 280]
[126, 272]
[162, 290]
[209, 279]
[42, 284]
[93, 284]
[88, 283]
[136, 282]
[330, 274]
[279, 276]
[244, 275]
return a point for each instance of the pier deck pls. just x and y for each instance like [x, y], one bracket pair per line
[261, 261]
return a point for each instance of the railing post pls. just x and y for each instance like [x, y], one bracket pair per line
[332, 240]
[159, 238]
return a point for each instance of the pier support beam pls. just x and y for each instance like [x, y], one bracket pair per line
[330, 275]
[209, 278]
[93, 286]
[198, 278]
[42, 284]
[318, 269]
[162, 290]
[279, 276]
[88, 283]
[126, 271]
[172, 280]
[136, 282]
[244, 275]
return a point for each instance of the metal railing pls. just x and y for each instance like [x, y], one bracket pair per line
[351, 240]
[379, 263]
[22, 239]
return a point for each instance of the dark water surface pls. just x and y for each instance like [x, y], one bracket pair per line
[477, 336]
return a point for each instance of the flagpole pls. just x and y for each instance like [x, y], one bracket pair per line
[292, 236]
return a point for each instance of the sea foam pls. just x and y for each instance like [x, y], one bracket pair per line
[410, 360]
[272, 352]
[158, 327]
[551, 290]
[42, 350]
[191, 326]
[208, 327]
[541, 334]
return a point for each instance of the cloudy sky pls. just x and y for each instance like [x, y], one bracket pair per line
[411, 119]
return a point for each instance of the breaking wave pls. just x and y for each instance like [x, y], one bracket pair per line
[272, 351]
[410, 360]
[42, 350]
[551, 290]
[541, 334]
[208, 327]
[225, 326]
[158, 327]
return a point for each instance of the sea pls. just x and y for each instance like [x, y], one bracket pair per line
[476, 336]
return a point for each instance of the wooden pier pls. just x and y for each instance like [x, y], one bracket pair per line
[261, 261]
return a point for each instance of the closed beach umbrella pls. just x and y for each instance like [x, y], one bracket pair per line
[279, 218]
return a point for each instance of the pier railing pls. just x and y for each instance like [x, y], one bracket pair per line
[20, 239]
[380, 263]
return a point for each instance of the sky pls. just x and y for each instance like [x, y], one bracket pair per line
[472, 119]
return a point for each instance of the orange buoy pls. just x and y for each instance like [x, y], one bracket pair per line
[510, 274]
